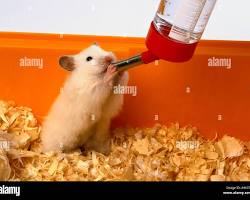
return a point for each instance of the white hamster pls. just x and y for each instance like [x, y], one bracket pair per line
[81, 114]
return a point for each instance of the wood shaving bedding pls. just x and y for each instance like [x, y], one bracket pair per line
[159, 153]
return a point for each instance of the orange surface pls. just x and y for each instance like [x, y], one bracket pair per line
[161, 89]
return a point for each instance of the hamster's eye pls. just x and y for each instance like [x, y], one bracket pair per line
[89, 58]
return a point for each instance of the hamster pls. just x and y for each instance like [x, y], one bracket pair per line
[81, 114]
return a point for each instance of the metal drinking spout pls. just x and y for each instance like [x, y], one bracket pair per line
[128, 63]
[143, 58]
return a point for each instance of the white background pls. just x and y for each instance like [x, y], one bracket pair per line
[230, 19]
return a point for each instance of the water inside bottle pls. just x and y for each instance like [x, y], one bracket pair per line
[183, 20]
[164, 27]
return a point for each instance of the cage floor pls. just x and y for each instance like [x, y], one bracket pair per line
[159, 153]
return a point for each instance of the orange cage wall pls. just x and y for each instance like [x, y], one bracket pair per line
[215, 99]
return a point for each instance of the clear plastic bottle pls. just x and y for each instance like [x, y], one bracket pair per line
[183, 20]
[174, 33]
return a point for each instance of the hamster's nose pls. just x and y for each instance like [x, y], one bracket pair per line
[108, 59]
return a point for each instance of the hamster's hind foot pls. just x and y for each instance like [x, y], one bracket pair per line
[99, 146]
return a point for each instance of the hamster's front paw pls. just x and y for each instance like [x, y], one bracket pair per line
[123, 78]
[110, 74]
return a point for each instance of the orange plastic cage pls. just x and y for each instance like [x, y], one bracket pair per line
[215, 99]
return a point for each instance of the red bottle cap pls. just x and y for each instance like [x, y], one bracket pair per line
[161, 47]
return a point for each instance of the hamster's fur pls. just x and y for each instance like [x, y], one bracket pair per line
[81, 114]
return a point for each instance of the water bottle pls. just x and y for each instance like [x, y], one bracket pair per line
[183, 21]
[174, 33]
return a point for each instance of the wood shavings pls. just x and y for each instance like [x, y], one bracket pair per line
[141, 146]
[53, 167]
[229, 147]
[5, 169]
[83, 166]
[211, 155]
[217, 178]
[17, 154]
[159, 153]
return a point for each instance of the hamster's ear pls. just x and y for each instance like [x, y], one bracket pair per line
[67, 62]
